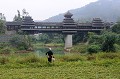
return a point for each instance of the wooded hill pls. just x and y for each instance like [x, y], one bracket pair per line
[108, 10]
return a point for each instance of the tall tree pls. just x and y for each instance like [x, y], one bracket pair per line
[25, 13]
[116, 28]
[2, 17]
[2, 27]
[17, 17]
[2, 23]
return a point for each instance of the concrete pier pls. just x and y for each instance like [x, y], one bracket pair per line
[68, 41]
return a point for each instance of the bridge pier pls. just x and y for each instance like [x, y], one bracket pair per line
[68, 41]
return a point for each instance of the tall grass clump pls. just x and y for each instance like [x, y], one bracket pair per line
[6, 50]
[29, 59]
[91, 57]
[72, 57]
[109, 55]
[3, 60]
[80, 48]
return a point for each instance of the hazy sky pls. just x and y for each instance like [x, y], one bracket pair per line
[39, 9]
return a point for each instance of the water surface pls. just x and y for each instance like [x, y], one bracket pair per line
[42, 51]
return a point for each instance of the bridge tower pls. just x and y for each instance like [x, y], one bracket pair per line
[28, 23]
[69, 27]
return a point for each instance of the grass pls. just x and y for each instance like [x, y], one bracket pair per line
[69, 66]
[79, 48]
[61, 72]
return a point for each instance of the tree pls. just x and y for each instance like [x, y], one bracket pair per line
[79, 37]
[24, 13]
[17, 17]
[44, 38]
[2, 23]
[116, 28]
[20, 42]
[109, 41]
[2, 17]
[2, 28]
[94, 38]
[106, 40]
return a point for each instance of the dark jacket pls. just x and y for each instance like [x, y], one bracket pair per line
[49, 53]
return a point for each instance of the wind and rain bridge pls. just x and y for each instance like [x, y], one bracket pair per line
[68, 27]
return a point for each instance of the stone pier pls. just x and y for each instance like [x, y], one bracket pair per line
[68, 41]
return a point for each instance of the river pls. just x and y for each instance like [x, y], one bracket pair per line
[42, 51]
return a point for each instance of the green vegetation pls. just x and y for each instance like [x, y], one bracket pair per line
[79, 37]
[69, 66]
[116, 28]
[2, 27]
[2, 23]
[93, 56]
[17, 17]
[21, 42]
[93, 49]
[106, 41]
[50, 38]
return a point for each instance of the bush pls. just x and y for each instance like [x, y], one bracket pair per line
[80, 48]
[93, 49]
[29, 59]
[3, 44]
[109, 41]
[20, 42]
[3, 60]
[6, 50]
[110, 56]
[92, 57]
[72, 57]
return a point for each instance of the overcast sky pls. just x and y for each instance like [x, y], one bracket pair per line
[39, 9]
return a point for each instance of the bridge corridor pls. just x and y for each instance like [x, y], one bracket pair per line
[68, 27]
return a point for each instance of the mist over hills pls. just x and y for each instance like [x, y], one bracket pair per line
[107, 10]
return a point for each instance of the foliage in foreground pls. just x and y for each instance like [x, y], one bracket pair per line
[29, 58]
[70, 66]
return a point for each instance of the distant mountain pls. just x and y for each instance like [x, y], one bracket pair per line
[107, 10]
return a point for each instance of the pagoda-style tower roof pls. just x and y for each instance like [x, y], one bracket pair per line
[68, 15]
[97, 22]
[27, 23]
[68, 19]
[68, 23]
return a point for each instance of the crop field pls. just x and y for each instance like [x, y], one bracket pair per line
[65, 67]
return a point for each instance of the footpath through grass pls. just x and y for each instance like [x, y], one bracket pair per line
[103, 66]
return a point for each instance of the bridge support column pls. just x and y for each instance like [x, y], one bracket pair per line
[68, 41]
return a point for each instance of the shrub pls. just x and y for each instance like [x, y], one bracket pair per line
[29, 59]
[109, 41]
[117, 47]
[80, 48]
[20, 42]
[3, 60]
[2, 45]
[110, 55]
[91, 57]
[93, 49]
[6, 50]
[72, 57]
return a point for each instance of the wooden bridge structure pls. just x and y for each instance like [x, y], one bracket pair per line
[66, 27]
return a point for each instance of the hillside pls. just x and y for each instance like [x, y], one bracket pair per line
[108, 10]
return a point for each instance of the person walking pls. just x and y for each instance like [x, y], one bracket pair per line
[50, 55]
